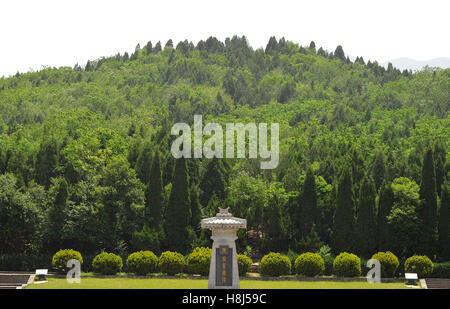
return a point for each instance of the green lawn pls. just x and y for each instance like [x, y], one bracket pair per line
[154, 283]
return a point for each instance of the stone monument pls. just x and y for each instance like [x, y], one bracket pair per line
[223, 270]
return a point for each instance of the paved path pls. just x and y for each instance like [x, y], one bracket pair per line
[437, 283]
[11, 280]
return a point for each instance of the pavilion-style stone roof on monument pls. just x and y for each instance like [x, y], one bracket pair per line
[223, 270]
[224, 220]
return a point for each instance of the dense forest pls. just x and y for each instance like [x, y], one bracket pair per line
[85, 158]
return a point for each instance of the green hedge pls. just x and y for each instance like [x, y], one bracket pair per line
[107, 264]
[441, 270]
[199, 260]
[389, 263]
[419, 264]
[171, 263]
[21, 262]
[244, 264]
[142, 263]
[347, 265]
[60, 259]
[309, 264]
[275, 264]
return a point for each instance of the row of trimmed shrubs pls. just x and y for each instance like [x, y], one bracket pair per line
[344, 265]
[145, 262]
[31, 263]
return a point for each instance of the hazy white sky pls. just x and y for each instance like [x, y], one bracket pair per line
[62, 33]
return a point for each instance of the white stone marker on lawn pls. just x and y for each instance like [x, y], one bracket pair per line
[223, 270]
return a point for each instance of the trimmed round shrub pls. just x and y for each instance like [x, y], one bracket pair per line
[244, 264]
[142, 263]
[419, 264]
[60, 259]
[389, 263]
[199, 260]
[347, 265]
[309, 264]
[275, 264]
[107, 263]
[171, 263]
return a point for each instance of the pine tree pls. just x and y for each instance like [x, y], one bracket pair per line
[213, 181]
[344, 216]
[143, 164]
[365, 228]
[308, 203]
[428, 204]
[178, 213]
[385, 204]
[154, 194]
[444, 222]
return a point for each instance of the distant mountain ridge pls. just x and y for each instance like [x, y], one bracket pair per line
[412, 64]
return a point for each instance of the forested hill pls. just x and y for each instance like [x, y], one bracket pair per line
[77, 145]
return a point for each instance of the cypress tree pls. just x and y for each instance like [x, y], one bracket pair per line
[213, 181]
[428, 204]
[148, 47]
[357, 168]
[339, 53]
[366, 237]
[440, 158]
[178, 214]
[193, 170]
[56, 214]
[154, 194]
[440, 175]
[46, 162]
[379, 169]
[272, 45]
[157, 48]
[385, 204]
[196, 209]
[143, 164]
[169, 43]
[444, 222]
[344, 216]
[308, 202]
[132, 129]
[134, 152]
[168, 168]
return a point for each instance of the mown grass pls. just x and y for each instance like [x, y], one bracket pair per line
[155, 283]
